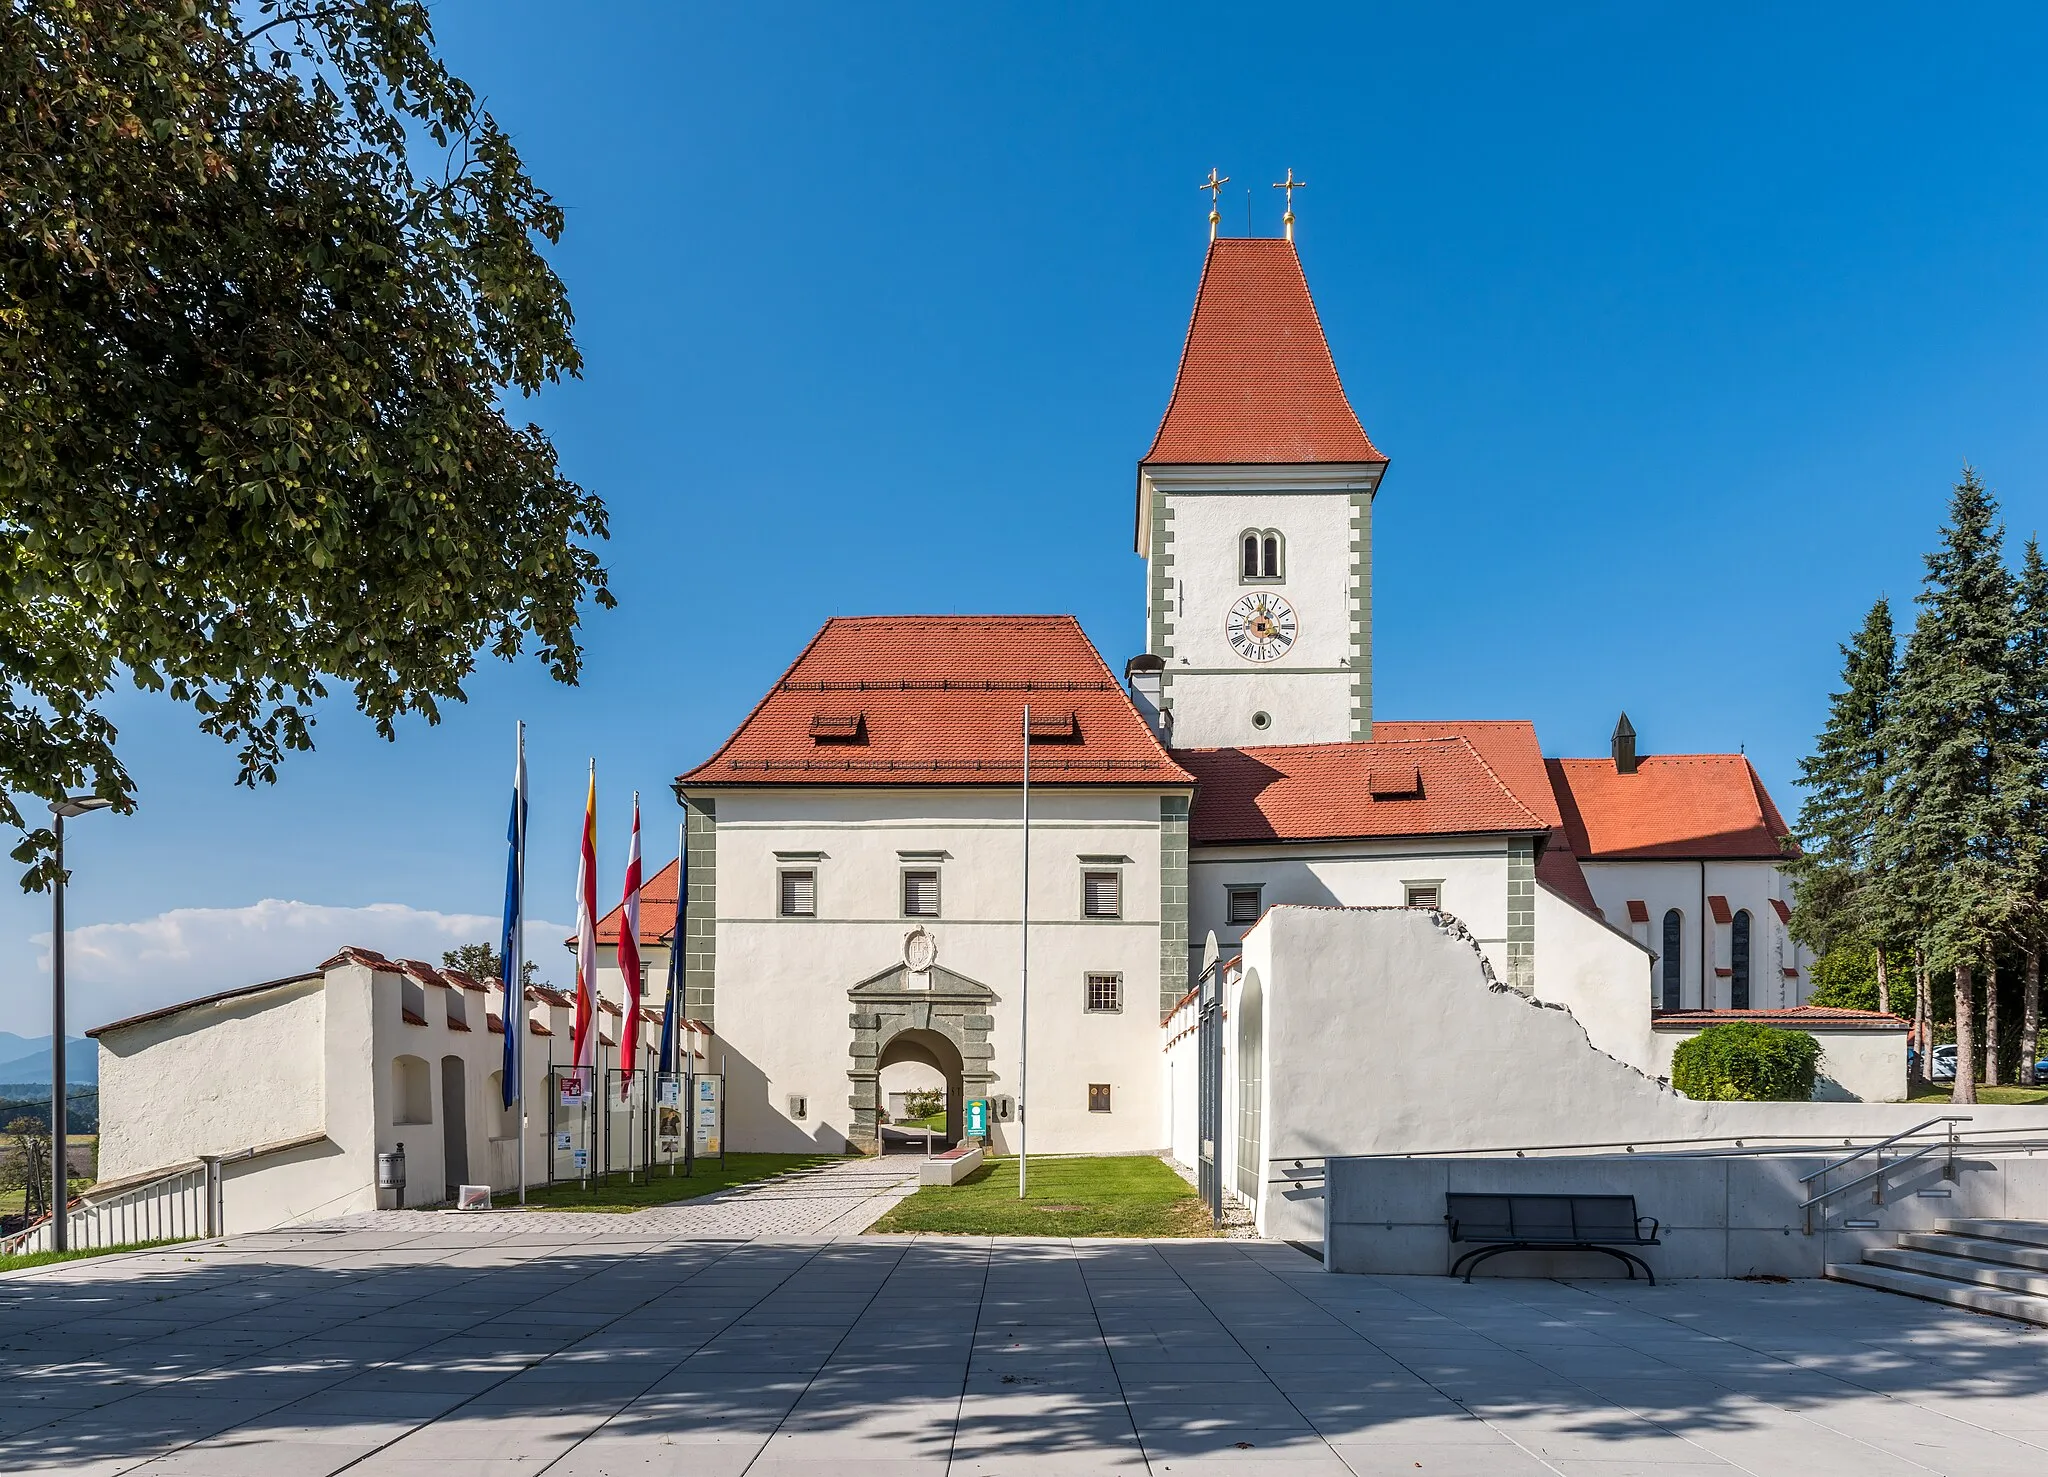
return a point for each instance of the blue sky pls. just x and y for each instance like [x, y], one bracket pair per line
[1675, 324]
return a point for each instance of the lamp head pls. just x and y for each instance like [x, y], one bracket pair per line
[77, 805]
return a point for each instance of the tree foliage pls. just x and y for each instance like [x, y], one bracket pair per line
[1845, 978]
[1836, 882]
[1744, 1061]
[484, 962]
[1926, 826]
[266, 273]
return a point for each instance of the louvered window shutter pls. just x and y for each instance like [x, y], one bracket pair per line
[1102, 894]
[799, 894]
[920, 894]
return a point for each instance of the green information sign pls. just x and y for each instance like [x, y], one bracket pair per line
[977, 1117]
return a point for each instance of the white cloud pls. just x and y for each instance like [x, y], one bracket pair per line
[120, 969]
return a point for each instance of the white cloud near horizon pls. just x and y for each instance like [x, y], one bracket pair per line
[113, 970]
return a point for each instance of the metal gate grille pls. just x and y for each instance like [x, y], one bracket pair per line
[1209, 1091]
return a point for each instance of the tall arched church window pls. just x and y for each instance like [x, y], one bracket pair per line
[1673, 961]
[1272, 557]
[1251, 556]
[1738, 958]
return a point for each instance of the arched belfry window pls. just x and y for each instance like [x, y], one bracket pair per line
[1673, 960]
[1738, 959]
[1262, 555]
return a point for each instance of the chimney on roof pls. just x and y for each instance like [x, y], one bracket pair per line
[1624, 746]
[1146, 677]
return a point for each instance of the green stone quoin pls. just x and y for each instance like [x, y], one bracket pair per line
[1173, 900]
[1361, 617]
[1522, 914]
[700, 911]
[1162, 594]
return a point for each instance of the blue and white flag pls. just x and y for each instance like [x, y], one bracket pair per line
[672, 1008]
[511, 949]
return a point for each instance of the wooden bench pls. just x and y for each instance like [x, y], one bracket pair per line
[1506, 1223]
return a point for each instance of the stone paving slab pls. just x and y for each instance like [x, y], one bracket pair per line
[487, 1346]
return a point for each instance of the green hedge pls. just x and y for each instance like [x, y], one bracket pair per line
[1746, 1062]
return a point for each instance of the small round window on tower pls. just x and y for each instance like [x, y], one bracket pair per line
[1262, 721]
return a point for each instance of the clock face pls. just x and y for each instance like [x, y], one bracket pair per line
[1260, 626]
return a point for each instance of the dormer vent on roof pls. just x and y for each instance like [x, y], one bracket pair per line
[1394, 782]
[1054, 728]
[839, 728]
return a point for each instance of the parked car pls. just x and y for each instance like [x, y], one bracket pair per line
[1942, 1068]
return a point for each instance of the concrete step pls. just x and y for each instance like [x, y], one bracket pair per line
[2024, 1306]
[1958, 1269]
[1981, 1248]
[2026, 1233]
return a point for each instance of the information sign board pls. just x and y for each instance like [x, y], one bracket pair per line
[572, 1089]
[977, 1118]
[707, 1114]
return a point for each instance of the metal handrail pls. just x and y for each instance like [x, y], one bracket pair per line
[1877, 1175]
[1883, 1144]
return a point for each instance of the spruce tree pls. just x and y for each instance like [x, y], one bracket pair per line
[1946, 838]
[1841, 897]
[2028, 786]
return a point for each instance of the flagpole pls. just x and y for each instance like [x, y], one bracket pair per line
[1024, 990]
[515, 1016]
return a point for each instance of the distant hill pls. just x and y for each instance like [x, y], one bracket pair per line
[27, 1059]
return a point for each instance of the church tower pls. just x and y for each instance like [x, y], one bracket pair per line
[1255, 521]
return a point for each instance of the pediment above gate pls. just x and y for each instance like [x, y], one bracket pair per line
[900, 982]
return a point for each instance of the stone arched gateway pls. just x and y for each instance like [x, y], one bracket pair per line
[901, 999]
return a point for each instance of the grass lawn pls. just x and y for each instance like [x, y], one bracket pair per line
[936, 1122]
[46, 1258]
[1136, 1196]
[659, 1188]
[2020, 1097]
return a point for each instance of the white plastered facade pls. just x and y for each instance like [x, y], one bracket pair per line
[786, 1022]
[299, 1085]
[1687, 888]
[1191, 521]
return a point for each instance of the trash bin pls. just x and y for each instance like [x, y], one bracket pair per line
[391, 1173]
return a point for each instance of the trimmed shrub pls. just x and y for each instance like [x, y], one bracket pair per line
[1746, 1062]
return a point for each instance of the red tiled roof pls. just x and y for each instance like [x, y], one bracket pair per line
[943, 699]
[1638, 911]
[1511, 751]
[1784, 913]
[1718, 907]
[465, 979]
[1798, 1017]
[1256, 381]
[1674, 806]
[1302, 792]
[657, 911]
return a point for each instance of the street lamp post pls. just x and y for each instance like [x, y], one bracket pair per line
[60, 1168]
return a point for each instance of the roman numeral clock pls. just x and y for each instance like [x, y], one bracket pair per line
[1260, 626]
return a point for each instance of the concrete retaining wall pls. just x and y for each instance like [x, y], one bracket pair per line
[1721, 1216]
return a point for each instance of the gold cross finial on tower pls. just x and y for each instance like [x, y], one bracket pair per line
[1290, 185]
[1214, 185]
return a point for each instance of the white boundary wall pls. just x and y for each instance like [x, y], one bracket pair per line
[1383, 1034]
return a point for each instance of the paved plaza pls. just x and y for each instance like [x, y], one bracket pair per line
[433, 1347]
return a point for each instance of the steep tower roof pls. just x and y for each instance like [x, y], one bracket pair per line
[1256, 381]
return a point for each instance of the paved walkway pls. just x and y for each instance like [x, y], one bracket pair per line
[841, 1199]
[375, 1352]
